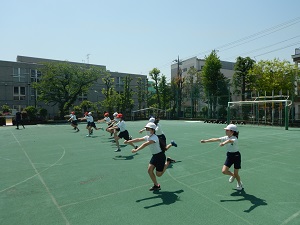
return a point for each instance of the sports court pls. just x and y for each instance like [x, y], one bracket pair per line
[51, 175]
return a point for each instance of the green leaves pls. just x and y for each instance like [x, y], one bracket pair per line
[62, 83]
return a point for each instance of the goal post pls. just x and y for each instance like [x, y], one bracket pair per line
[147, 112]
[264, 112]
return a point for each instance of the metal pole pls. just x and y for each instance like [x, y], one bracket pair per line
[286, 120]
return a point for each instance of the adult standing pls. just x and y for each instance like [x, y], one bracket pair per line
[19, 120]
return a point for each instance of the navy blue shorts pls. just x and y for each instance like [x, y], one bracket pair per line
[74, 122]
[158, 160]
[124, 134]
[92, 124]
[233, 158]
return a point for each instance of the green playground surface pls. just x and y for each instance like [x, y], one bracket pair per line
[51, 175]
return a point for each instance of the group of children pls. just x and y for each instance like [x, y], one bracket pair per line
[156, 141]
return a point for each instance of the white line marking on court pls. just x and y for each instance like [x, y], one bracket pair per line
[209, 199]
[291, 218]
[35, 174]
[103, 196]
[43, 182]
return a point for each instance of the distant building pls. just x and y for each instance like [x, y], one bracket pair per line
[184, 66]
[296, 59]
[16, 79]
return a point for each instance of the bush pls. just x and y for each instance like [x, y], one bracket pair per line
[31, 113]
[43, 113]
[5, 109]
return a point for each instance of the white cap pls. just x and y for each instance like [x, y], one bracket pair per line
[150, 125]
[90, 113]
[152, 119]
[115, 114]
[231, 127]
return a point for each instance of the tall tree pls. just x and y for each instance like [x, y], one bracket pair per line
[127, 103]
[211, 75]
[242, 80]
[155, 76]
[164, 91]
[62, 83]
[274, 76]
[141, 93]
[112, 98]
[193, 88]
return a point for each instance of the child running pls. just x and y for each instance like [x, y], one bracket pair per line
[233, 154]
[112, 123]
[90, 123]
[157, 148]
[121, 127]
[74, 121]
[107, 120]
[159, 133]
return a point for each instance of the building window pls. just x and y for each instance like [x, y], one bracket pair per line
[33, 94]
[35, 75]
[19, 93]
[119, 81]
[19, 74]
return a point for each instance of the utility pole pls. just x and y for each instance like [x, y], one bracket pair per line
[179, 87]
[88, 58]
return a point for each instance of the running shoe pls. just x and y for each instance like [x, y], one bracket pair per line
[239, 187]
[231, 179]
[173, 143]
[171, 160]
[155, 188]
[118, 150]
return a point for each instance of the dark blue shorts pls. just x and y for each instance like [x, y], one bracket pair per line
[158, 160]
[124, 134]
[74, 122]
[233, 158]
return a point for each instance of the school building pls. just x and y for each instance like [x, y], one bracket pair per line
[16, 79]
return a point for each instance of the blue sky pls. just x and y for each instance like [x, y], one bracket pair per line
[135, 36]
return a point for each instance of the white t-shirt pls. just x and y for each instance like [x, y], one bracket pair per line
[73, 117]
[121, 125]
[231, 147]
[89, 118]
[154, 148]
[107, 119]
[158, 130]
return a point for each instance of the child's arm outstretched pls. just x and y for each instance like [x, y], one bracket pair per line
[210, 140]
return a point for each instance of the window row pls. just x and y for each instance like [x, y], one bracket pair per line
[22, 75]
[19, 93]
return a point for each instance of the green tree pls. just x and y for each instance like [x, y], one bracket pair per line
[127, 103]
[192, 88]
[243, 81]
[31, 112]
[112, 98]
[141, 93]
[164, 91]
[62, 83]
[87, 106]
[43, 113]
[155, 76]
[211, 75]
[274, 77]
